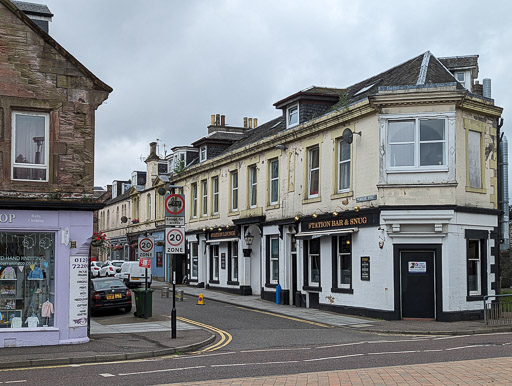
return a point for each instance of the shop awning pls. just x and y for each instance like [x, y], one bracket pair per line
[218, 241]
[330, 232]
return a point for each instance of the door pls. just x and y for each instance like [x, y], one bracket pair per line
[417, 283]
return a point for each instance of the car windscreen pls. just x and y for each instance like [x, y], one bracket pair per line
[101, 285]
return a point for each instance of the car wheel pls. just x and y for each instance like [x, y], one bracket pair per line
[128, 309]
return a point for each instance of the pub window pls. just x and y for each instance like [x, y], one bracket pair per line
[314, 262]
[204, 194]
[474, 267]
[234, 191]
[194, 265]
[344, 261]
[274, 181]
[313, 172]
[214, 262]
[274, 260]
[234, 261]
[215, 192]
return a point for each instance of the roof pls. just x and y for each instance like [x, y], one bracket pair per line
[313, 92]
[99, 84]
[121, 197]
[33, 8]
[219, 136]
[457, 62]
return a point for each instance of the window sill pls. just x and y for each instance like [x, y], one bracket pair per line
[476, 190]
[474, 298]
[213, 282]
[234, 213]
[311, 288]
[271, 285]
[214, 216]
[311, 200]
[233, 282]
[272, 206]
[343, 290]
[193, 280]
[418, 169]
[336, 196]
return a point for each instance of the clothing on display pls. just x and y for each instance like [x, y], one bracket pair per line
[9, 273]
[36, 273]
[32, 321]
[46, 309]
[16, 322]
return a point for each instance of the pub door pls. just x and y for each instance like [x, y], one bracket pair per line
[417, 282]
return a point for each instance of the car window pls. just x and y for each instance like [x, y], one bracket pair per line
[117, 263]
[105, 265]
[100, 285]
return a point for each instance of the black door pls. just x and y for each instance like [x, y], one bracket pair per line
[417, 284]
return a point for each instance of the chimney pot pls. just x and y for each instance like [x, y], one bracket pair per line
[152, 148]
[212, 119]
[223, 120]
[217, 119]
[255, 122]
[245, 122]
[250, 123]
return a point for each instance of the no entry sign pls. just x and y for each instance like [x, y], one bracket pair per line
[175, 240]
[146, 247]
[174, 205]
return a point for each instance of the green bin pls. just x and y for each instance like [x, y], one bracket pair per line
[139, 302]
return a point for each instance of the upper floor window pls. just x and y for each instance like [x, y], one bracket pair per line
[204, 194]
[313, 171]
[274, 181]
[148, 209]
[234, 191]
[215, 191]
[343, 166]
[202, 153]
[416, 143]
[475, 159]
[292, 116]
[194, 200]
[30, 146]
[461, 77]
[253, 185]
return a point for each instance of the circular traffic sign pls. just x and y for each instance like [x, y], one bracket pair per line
[175, 204]
[146, 245]
[175, 237]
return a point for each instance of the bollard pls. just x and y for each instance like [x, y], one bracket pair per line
[179, 295]
[200, 300]
[278, 294]
[164, 292]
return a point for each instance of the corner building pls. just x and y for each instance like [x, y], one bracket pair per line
[378, 199]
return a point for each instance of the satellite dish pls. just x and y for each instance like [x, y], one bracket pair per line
[347, 136]
[124, 219]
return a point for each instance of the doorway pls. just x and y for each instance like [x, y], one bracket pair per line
[417, 284]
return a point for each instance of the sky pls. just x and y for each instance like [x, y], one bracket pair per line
[174, 63]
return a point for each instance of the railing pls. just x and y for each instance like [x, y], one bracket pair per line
[499, 311]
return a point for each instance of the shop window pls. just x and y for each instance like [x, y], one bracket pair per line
[253, 185]
[274, 181]
[314, 262]
[215, 192]
[274, 260]
[27, 283]
[194, 262]
[30, 148]
[234, 261]
[313, 171]
[214, 263]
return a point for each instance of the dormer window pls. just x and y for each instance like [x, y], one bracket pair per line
[202, 154]
[292, 116]
[463, 77]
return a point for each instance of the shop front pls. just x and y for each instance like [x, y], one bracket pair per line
[44, 277]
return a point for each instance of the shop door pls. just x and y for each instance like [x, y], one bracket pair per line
[417, 284]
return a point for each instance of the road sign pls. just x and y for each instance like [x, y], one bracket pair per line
[145, 263]
[146, 247]
[175, 240]
[175, 221]
[174, 205]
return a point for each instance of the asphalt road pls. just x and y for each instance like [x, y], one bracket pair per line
[264, 344]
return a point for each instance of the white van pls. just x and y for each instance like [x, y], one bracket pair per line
[132, 275]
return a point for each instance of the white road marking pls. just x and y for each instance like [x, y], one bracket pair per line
[164, 370]
[337, 357]
[463, 347]
[20, 381]
[254, 363]
[106, 375]
[392, 352]
[432, 350]
[279, 349]
[451, 337]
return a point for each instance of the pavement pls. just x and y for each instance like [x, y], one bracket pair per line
[127, 337]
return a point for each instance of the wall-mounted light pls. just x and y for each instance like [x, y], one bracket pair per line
[356, 208]
[204, 229]
[249, 239]
[315, 215]
[298, 216]
[227, 226]
[281, 147]
[211, 228]
[220, 229]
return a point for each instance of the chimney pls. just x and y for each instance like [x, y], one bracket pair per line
[255, 121]
[223, 120]
[478, 89]
[38, 13]
[250, 123]
[245, 122]
[212, 119]
[487, 88]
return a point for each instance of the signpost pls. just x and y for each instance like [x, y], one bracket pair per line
[146, 253]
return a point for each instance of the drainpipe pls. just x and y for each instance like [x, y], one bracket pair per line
[497, 242]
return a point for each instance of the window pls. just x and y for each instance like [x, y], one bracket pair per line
[202, 154]
[27, 280]
[292, 116]
[204, 193]
[461, 78]
[30, 148]
[314, 262]
[344, 262]
[234, 191]
[313, 172]
[274, 181]
[234, 261]
[416, 143]
[343, 166]
[474, 267]
[135, 210]
[194, 200]
[214, 262]
[148, 207]
[194, 265]
[274, 260]
[215, 189]
[253, 184]
[475, 159]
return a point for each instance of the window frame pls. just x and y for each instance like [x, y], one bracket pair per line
[203, 153]
[472, 164]
[292, 111]
[310, 257]
[478, 260]
[340, 256]
[204, 198]
[214, 261]
[46, 164]
[272, 180]
[215, 195]
[311, 170]
[194, 259]
[253, 186]
[234, 260]
[340, 163]
[234, 191]
[193, 199]
[273, 259]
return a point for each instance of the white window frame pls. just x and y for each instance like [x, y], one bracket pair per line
[215, 262]
[194, 259]
[215, 193]
[341, 164]
[194, 200]
[478, 261]
[312, 283]
[274, 182]
[46, 164]
[253, 186]
[292, 111]
[312, 170]
[341, 256]
[204, 201]
[234, 261]
[234, 191]
[202, 153]
[274, 260]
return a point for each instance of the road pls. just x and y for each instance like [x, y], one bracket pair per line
[264, 344]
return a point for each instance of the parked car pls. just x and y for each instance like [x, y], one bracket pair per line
[110, 268]
[108, 293]
[95, 268]
[132, 275]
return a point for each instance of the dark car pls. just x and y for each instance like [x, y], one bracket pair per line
[108, 293]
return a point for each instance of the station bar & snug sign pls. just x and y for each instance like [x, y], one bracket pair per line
[343, 220]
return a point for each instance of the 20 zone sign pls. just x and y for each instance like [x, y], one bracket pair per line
[175, 240]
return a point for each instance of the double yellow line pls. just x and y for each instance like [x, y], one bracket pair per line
[225, 337]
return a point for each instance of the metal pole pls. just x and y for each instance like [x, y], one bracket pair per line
[173, 312]
[146, 296]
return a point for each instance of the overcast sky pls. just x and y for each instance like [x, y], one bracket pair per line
[174, 63]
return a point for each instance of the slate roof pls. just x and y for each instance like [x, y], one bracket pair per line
[459, 62]
[219, 136]
[121, 197]
[33, 8]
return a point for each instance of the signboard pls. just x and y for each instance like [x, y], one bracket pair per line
[175, 221]
[223, 234]
[222, 261]
[417, 266]
[146, 247]
[144, 263]
[365, 268]
[175, 240]
[174, 205]
[78, 291]
[363, 218]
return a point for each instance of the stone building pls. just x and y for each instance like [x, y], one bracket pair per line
[48, 101]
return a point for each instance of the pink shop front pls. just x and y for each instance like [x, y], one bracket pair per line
[44, 276]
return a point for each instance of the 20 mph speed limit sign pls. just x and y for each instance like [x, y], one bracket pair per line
[146, 247]
[175, 240]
